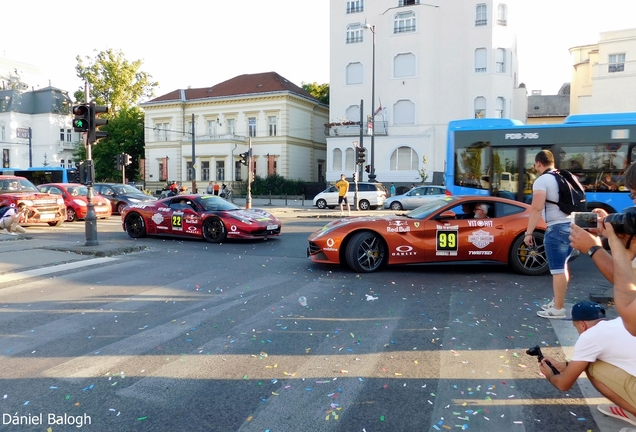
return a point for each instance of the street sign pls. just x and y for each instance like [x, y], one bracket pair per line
[22, 132]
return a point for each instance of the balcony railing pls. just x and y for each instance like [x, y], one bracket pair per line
[221, 137]
[353, 129]
[68, 145]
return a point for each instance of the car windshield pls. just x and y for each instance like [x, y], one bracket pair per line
[429, 208]
[215, 203]
[16, 185]
[126, 190]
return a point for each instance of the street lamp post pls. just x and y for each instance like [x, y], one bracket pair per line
[372, 167]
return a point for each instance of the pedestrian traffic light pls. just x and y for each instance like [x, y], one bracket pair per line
[95, 134]
[244, 157]
[367, 168]
[127, 159]
[360, 155]
[119, 161]
[81, 122]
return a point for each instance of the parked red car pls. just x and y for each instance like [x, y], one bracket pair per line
[76, 201]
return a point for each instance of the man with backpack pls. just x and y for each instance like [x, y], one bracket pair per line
[548, 201]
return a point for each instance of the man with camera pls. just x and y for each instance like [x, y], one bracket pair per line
[606, 352]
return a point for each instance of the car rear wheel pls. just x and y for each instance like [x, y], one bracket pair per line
[214, 230]
[71, 216]
[364, 205]
[527, 260]
[120, 207]
[321, 204]
[135, 225]
[366, 252]
[56, 223]
[396, 205]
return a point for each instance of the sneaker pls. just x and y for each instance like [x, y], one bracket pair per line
[552, 313]
[12, 233]
[4, 231]
[548, 305]
[617, 412]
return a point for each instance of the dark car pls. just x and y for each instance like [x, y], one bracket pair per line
[198, 216]
[121, 195]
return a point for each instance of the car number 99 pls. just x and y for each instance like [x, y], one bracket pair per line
[446, 240]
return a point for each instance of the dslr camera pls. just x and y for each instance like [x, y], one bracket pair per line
[624, 222]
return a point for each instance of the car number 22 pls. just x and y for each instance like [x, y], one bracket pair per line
[446, 241]
[177, 221]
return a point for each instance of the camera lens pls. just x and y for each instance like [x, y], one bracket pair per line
[623, 223]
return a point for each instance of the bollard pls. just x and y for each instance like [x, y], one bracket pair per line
[270, 197]
[302, 203]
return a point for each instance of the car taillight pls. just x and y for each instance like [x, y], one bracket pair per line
[448, 193]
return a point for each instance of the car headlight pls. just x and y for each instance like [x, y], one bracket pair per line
[134, 200]
[326, 230]
[60, 201]
[239, 218]
[27, 203]
[79, 202]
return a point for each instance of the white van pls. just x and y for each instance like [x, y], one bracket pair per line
[370, 196]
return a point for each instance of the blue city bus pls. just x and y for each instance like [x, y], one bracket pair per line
[496, 156]
[42, 175]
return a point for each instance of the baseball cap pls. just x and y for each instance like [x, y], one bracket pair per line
[587, 311]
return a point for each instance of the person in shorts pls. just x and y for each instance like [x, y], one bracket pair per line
[343, 188]
[606, 352]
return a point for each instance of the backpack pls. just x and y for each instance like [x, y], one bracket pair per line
[3, 210]
[571, 193]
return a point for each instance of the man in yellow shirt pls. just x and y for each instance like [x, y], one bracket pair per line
[343, 188]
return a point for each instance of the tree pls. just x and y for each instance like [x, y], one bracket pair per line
[318, 91]
[114, 81]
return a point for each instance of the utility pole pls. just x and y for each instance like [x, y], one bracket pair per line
[194, 167]
[90, 222]
[248, 199]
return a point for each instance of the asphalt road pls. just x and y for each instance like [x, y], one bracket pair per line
[186, 335]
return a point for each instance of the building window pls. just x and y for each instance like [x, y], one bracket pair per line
[237, 170]
[500, 105]
[205, 171]
[481, 15]
[502, 15]
[271, 127]
[251, 126]
[162, 176]
[350, 161]
[3, 136]
[62, 135]
[500, 60]
[404, 112]
[354, 33]
[404, 159]
[211, 128]
[220, 170]
[337, 160]
[354, 6]
[4, 103]
[190, 170]
[161, 131]
[69, 135]
[481, 60]
[231, 126]
[616, 63]
[354, 73]
[404, 22]
[408, 2]
[404, 65]
[480, 107]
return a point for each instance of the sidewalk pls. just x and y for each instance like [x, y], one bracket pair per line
[304, 209]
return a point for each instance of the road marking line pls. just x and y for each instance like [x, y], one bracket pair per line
[10, 277]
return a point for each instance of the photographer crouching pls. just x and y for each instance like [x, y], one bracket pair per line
[606, 352]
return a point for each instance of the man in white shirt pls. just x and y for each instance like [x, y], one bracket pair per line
[607, 354]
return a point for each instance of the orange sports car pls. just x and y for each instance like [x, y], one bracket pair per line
[446, 230]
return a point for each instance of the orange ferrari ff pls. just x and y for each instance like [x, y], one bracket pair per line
[446, 230]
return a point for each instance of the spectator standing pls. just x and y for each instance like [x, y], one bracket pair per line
[556, 237]
[210, 189]
[216, 188]
[392, 189]
[343, 188]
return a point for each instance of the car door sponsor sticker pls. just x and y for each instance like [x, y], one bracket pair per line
[404, 250]
[479, 223]
[398, 226]
[157, 218]
[481, 239]
[446, 242]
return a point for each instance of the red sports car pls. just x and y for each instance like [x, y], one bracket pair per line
[441, 231]
[76, 201]
[198, 216]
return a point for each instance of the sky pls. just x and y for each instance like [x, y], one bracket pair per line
[200, 43]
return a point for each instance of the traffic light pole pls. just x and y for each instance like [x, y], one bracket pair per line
[90, 222]
[248, 199]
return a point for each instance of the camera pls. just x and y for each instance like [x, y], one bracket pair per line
[535, 351]
[585, 220]
[623, 223]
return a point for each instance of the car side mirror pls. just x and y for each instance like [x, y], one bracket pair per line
[448, 214]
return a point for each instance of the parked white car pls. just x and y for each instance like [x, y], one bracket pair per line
[415, 197]
[370, 196]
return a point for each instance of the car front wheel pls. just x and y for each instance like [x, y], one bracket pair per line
[120, 207]
[321, 204]
[396, 205]
[366, 252]
[364, 205]
[71, 216]
[135, 226]
[527, 260]
[214, 230]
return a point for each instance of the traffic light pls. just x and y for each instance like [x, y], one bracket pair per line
[367, 168]
[94, 134]
[127, 159]
[81, 172]
[76, 173]
[244, 157]
[360, 155]
[119, 161]
[81, 122]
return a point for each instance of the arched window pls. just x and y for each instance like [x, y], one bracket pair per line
[353, 113]
[337, 160]
[404, 65]
[404, 159]
[354, 73]
[404, 112]
[500, 60]
[350, 162]
[480, 107]
[404, 22]
[481, 15]
[355, 33]
[481, 60]
[502, 14]
[500, 107]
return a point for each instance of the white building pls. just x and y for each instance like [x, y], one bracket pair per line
[604, 73]
[434, 62]
[285, 125]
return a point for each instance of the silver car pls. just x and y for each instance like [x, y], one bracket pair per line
[415, 197]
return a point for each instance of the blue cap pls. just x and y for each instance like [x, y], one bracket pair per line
[587, 311]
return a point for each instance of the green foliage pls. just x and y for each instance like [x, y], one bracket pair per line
[319, 91]
[276, 185]
[114, 81]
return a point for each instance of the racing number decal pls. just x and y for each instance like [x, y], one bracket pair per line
[177, 221]
[446, 243]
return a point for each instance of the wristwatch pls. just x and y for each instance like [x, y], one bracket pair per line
[593, 250]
